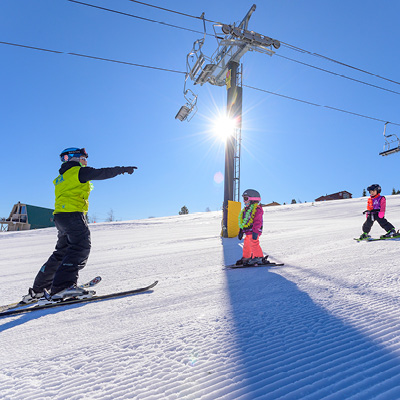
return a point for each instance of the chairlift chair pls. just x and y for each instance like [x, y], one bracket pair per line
[389, 143]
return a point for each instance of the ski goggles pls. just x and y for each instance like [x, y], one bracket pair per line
[248, 198]
[75, 153]
[83, 153]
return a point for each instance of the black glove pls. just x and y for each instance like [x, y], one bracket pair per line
[129, 170]
[254, 235]
[240, 236]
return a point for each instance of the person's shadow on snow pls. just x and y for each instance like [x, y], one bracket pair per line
[291, 347]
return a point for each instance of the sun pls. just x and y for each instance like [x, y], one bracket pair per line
[224, 127]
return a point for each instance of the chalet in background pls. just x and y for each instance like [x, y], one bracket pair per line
[335, 196]
[274, 203]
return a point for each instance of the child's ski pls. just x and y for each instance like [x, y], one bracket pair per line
[267, 264]
[264, 263]
[397, 237]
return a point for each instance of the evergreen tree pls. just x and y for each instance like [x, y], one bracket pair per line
[184, 210]
[364, 193]
[394, 191]
[294, 201]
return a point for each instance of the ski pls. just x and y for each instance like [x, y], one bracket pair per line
[18, 304]
[267, 264]
[71, 301]
[397, 237]
[91, 283]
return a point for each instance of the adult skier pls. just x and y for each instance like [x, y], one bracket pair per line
[59, 274]
[376, 208]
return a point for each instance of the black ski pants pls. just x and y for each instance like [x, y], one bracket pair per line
[383, 222]
[61, 270]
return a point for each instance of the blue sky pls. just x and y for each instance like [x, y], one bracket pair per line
[124, 115]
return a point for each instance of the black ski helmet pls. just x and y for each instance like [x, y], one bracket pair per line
[72, 152]
[252, 195]
[375, 186]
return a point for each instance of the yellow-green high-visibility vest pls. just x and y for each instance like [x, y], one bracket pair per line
[71, 194]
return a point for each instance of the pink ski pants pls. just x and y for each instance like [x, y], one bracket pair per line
[251, 247]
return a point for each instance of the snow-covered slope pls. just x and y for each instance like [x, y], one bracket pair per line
[324, 326]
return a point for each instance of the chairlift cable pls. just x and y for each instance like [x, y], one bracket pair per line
[335, 73]
[138, 17]
[296, 48]
[276, 54]
[337, 62]
[184, 73]
[93, 57]
[173, 11]
[320, 105]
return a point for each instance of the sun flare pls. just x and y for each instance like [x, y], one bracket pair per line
[224, 127]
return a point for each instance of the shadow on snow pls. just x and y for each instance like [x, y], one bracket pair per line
[292, 348]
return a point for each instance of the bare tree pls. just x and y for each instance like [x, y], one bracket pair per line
[111, 216]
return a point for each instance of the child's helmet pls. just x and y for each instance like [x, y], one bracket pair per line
[375, 186]
[251, 195]
[72, 152]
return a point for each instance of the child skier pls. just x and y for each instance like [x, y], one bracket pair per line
[376, 208]
[251, 224]
[59, 275]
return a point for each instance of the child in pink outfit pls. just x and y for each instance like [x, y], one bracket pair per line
[376, 208]
[251, 224]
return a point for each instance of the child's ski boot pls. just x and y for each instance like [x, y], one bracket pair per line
[389, 234]
[364, 236]
[255, 261]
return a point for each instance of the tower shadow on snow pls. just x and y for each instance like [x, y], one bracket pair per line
[292, 348]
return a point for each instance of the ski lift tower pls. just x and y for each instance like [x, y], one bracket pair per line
[223, 69]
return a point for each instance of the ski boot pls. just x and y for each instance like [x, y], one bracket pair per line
[31, 297]
[265, 260]
[243, 261]
[364, 236]
[255, 261]
[71, 293]
[390, 233]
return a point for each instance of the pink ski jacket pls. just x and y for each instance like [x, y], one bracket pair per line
[377, 203]
[257, 223]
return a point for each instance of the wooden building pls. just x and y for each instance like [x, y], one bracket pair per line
[335, 196]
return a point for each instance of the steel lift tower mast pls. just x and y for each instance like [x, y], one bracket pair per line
[223, 69]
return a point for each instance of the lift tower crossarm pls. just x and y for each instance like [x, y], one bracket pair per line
[227, 54]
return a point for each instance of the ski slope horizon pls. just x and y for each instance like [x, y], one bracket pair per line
[323, 326]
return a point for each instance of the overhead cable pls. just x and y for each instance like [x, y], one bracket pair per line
[337, 62]
[137, 17]
[94, 57]
[184, 73]
[319, 105]
[173, 11]
[213, 35]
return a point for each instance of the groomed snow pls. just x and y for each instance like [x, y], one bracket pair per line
[324, 326]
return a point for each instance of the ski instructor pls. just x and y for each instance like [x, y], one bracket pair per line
[59, 275]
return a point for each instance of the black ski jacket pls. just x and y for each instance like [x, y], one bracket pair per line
[87, 174]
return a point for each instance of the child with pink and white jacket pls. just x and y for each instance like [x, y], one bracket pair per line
[376, 208]
[251, 225]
